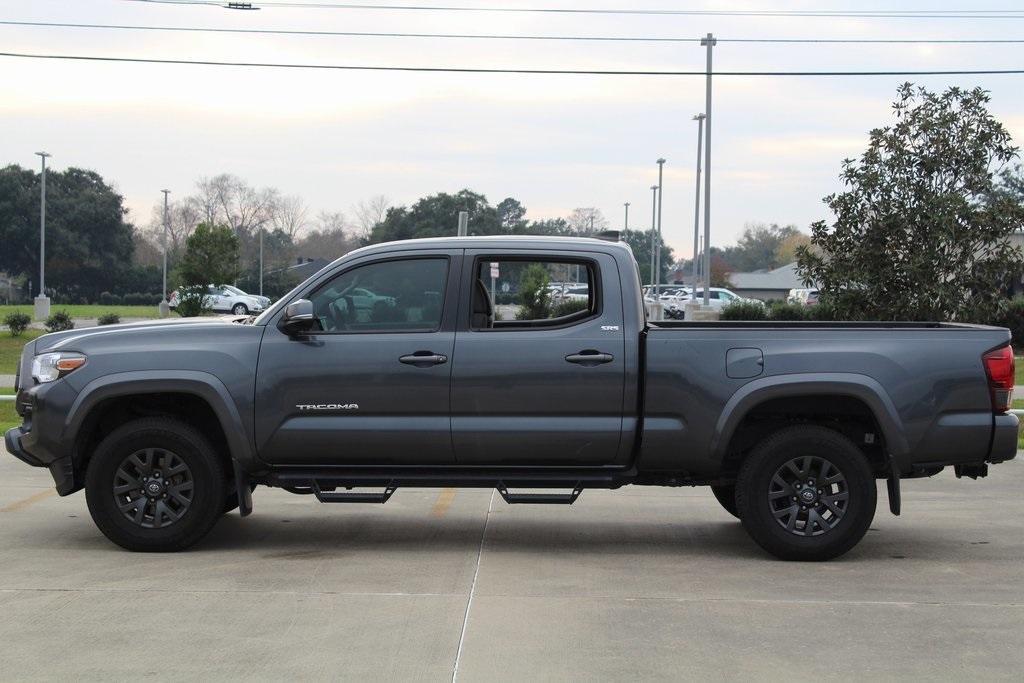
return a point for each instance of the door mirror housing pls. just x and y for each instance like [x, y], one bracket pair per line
[298, 318]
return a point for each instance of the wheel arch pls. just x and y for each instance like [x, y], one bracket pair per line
[199, 398]
[853, 395]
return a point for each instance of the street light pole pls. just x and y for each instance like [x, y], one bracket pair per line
[261, 260]
[625, 223]
[42, 303]
[699, 118]
[165, 307]
[709, 42]
[661, 195]
[654, 223]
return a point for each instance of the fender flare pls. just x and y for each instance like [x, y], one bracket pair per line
[862, 387]
[202, 384]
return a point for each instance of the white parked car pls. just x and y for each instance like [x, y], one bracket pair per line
[227, 298]
[718, 298]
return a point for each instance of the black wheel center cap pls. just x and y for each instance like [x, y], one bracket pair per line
[154, 488]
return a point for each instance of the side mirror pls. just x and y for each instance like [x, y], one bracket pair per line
[298, 317]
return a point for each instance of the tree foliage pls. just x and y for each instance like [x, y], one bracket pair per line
[534, 295]
[762, 247]
[920, 232]
[640, 242]
[211, 257]
[89, 242]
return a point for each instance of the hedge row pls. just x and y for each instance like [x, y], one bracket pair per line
[129, 299]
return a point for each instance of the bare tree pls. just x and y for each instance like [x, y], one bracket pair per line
[183, 217]
[586, 220]
[370, 212]
[228, 199]
[290, 215]
[331, 221]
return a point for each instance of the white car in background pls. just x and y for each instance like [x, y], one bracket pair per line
[230, 299]
[718, 298]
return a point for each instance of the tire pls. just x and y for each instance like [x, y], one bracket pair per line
[176, 464]
[726, 495]
[240, 309]
[831, 519]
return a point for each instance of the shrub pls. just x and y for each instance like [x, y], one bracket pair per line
[59, 322]
[140, 299]
[534, 295]
[192, 301]
[823, 310]
[109, 319]
[568, 307]
[108, 299]
[744, 310]
[782, 310]
[1012, 318]
[17, 322]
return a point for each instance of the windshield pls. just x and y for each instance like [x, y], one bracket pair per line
[234, 290]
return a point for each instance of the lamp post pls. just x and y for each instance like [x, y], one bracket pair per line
[654, 223]
[165, 307]
[41, 309]
[661, 195]
[709, 43]
[625, 223]
[699, 118]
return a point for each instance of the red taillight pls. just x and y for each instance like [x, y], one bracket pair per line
[999, 368]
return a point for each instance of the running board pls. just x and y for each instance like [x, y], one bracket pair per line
[540, 498]
[353, 496]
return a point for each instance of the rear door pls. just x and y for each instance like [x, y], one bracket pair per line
[371, 387]
[538, 380]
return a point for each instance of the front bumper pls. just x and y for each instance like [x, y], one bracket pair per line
[62, 469]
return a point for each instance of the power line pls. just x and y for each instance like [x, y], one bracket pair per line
[440, 69]
[499, 36]
[866, 14]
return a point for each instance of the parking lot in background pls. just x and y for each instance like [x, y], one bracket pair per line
[638, 584]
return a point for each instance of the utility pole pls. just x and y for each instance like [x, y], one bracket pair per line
[699, 118]
[165, 307]
[463, 223]
[661, 195]
[42, 302]
[709, 42]
[625, 223]
[261, 259]
[654, 223]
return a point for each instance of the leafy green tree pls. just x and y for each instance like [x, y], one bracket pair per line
[759, 248]
[437, 216]
[640, 242]
[89, 242]
[211, 256]
[534, 295]
[920, 232]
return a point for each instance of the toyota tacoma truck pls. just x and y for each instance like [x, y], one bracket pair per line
[459, 369]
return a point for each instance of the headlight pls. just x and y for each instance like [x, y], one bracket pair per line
[48, 367]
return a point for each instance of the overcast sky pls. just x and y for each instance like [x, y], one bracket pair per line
[555, 142]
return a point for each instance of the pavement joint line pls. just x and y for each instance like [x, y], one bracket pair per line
[25, 502]
[200, 591]
[472, 589]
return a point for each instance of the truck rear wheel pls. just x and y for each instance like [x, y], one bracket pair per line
[726, 496]
[155, 485]
[806, 493]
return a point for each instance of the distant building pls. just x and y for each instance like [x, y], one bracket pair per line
[767, 284]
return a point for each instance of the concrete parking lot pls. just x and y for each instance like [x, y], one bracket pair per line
[638, 584]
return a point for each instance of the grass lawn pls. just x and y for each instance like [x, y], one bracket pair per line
[10, 349]
[1018, 370]
[8, 418]
[89, 311]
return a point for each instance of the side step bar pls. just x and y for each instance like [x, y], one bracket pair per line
[540, 498]
[353, 496]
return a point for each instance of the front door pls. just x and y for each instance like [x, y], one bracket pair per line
[539, 366]
[371, 385]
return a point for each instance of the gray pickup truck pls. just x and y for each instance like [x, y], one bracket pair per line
[456, 362]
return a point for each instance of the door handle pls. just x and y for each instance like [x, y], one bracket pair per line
[589, 357]
[423, 359]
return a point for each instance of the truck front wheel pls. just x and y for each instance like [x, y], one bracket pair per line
[156, 485]
[806, 493]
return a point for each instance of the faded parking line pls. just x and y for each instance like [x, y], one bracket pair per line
[443, 502]
[25, 502]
